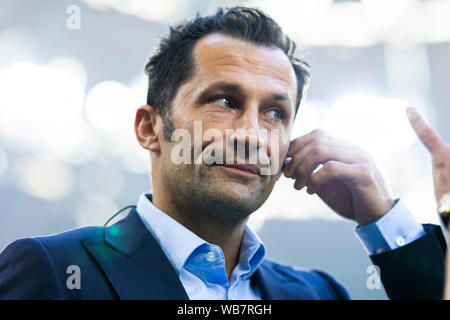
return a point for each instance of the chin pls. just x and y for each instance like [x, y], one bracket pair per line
[239, 202]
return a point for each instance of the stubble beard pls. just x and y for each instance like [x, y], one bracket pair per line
[201, 189]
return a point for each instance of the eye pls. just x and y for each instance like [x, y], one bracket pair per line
[223, 102]
[275, 114]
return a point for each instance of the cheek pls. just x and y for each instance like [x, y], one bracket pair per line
[279, 142]
[166, 156]
[217, 119]
[279, 149]
[204, 121]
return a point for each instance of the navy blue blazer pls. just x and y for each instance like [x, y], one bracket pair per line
[124, 261]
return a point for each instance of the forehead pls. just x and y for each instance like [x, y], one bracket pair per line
[221, 57]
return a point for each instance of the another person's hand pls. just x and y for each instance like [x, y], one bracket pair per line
[440, 154]
[349, 182]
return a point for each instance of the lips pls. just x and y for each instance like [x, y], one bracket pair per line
[254, 169]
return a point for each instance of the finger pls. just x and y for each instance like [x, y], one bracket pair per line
[429, 137]
[300, 142]
[322, 155]
[348, 173]
[317, 149]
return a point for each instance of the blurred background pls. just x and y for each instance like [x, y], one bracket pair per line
[71, 80]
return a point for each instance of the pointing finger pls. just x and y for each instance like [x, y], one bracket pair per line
[429, 137]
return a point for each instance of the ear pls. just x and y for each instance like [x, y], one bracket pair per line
[147, 127]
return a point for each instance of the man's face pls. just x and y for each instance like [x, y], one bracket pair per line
[239, 86]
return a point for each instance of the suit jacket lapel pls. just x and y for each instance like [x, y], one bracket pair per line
[273, 285]
[134, 262]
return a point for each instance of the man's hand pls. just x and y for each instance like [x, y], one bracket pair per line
[349, 182]
[440, 152]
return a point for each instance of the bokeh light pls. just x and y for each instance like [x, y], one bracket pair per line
[377, 124]
[72, 66]
[34, 101]
[43, 178]
[108, 106]
[16, 45]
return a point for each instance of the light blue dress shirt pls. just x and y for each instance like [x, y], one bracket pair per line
[395, 229]
[201, 266]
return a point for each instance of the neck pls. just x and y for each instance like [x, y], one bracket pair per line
[208, 226]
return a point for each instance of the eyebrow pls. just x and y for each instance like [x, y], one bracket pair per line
[237, 89]
[223, 86]
[280, 97]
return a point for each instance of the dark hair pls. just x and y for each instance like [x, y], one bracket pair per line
[173, 63]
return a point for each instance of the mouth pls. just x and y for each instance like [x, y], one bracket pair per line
[247, 169]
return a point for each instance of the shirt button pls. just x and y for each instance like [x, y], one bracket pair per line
[400, 241]
[210, 256]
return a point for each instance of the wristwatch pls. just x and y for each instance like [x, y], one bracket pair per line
[444, 208]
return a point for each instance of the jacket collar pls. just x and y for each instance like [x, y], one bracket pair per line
[134, 262]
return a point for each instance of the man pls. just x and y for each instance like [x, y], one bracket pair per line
[235, 74]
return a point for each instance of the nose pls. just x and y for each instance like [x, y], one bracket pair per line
[247, 135]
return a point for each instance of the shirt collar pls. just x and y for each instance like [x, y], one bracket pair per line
[179, 243]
